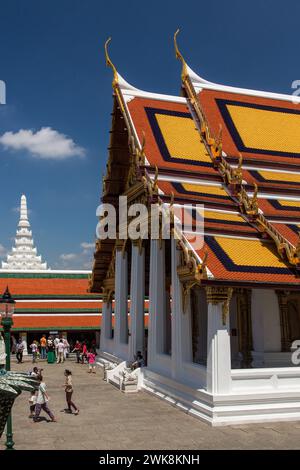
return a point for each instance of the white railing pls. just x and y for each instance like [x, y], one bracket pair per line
[266, 379]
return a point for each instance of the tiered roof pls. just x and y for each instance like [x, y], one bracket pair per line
[55, 300]
[234, 150]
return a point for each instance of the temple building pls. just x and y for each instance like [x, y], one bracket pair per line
[222, 317]
[47, 301]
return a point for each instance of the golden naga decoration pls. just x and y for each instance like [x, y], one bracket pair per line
[237, 173]
[140, 153]
[136, 159]
[297, 249]
[249, 205]
[217, 144]
[110, 64]
[285, 249]
[190, 271]
[151, 185]
[184, 72]
[214, 144]
[253, 209]
[154, 184]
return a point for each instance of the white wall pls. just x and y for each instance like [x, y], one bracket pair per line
[265, 321]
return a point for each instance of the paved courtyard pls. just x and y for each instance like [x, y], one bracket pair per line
[109, 419]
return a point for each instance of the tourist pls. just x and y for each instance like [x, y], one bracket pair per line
[138, 361]
[32, 403]
[35, 372]
[41, 401]
[34, 350]
[84, 352]
[77, 349]
[56, 342]
[20, 350]
[50, 353]
[67, 348]
[91, 356]
[69, 392]
[60, 352]
[43, 343]
[2, 352]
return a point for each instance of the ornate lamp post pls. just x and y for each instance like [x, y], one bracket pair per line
[7, 308]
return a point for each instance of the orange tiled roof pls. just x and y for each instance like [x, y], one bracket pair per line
[54, 322]
[178, 142]
[172, 141]
[37, 284]
[239, 259]
[262, 129]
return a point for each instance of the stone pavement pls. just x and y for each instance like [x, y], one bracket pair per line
[109, 419]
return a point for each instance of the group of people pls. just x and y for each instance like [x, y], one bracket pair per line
[39, 398]
[85, 354]
[57, 349]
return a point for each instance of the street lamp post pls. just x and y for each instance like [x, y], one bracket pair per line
[7, 307]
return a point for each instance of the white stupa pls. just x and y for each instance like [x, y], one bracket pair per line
[24, 254]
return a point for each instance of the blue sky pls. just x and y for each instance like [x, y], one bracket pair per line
[51, 58]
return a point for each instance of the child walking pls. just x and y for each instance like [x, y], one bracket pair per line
[69, 392]
[32, 403]
[92, 361]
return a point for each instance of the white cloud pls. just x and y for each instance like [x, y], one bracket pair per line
[87, 246]
[68, 256]
[46, 143]
[81, 260]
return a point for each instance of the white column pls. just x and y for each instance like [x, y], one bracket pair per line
[137, 299]
[218, 342]
[106, 324]
[157, 300]
[176, 311]
[121, 303]
[181, 320]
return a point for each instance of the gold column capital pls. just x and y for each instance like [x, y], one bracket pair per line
[107, 295]
[216, 295]
[220, 295]
[138, 243]
[121, 245]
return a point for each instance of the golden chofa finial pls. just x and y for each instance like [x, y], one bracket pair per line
[184, 72]
[110, 64]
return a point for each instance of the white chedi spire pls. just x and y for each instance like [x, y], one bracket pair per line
[24, 254]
